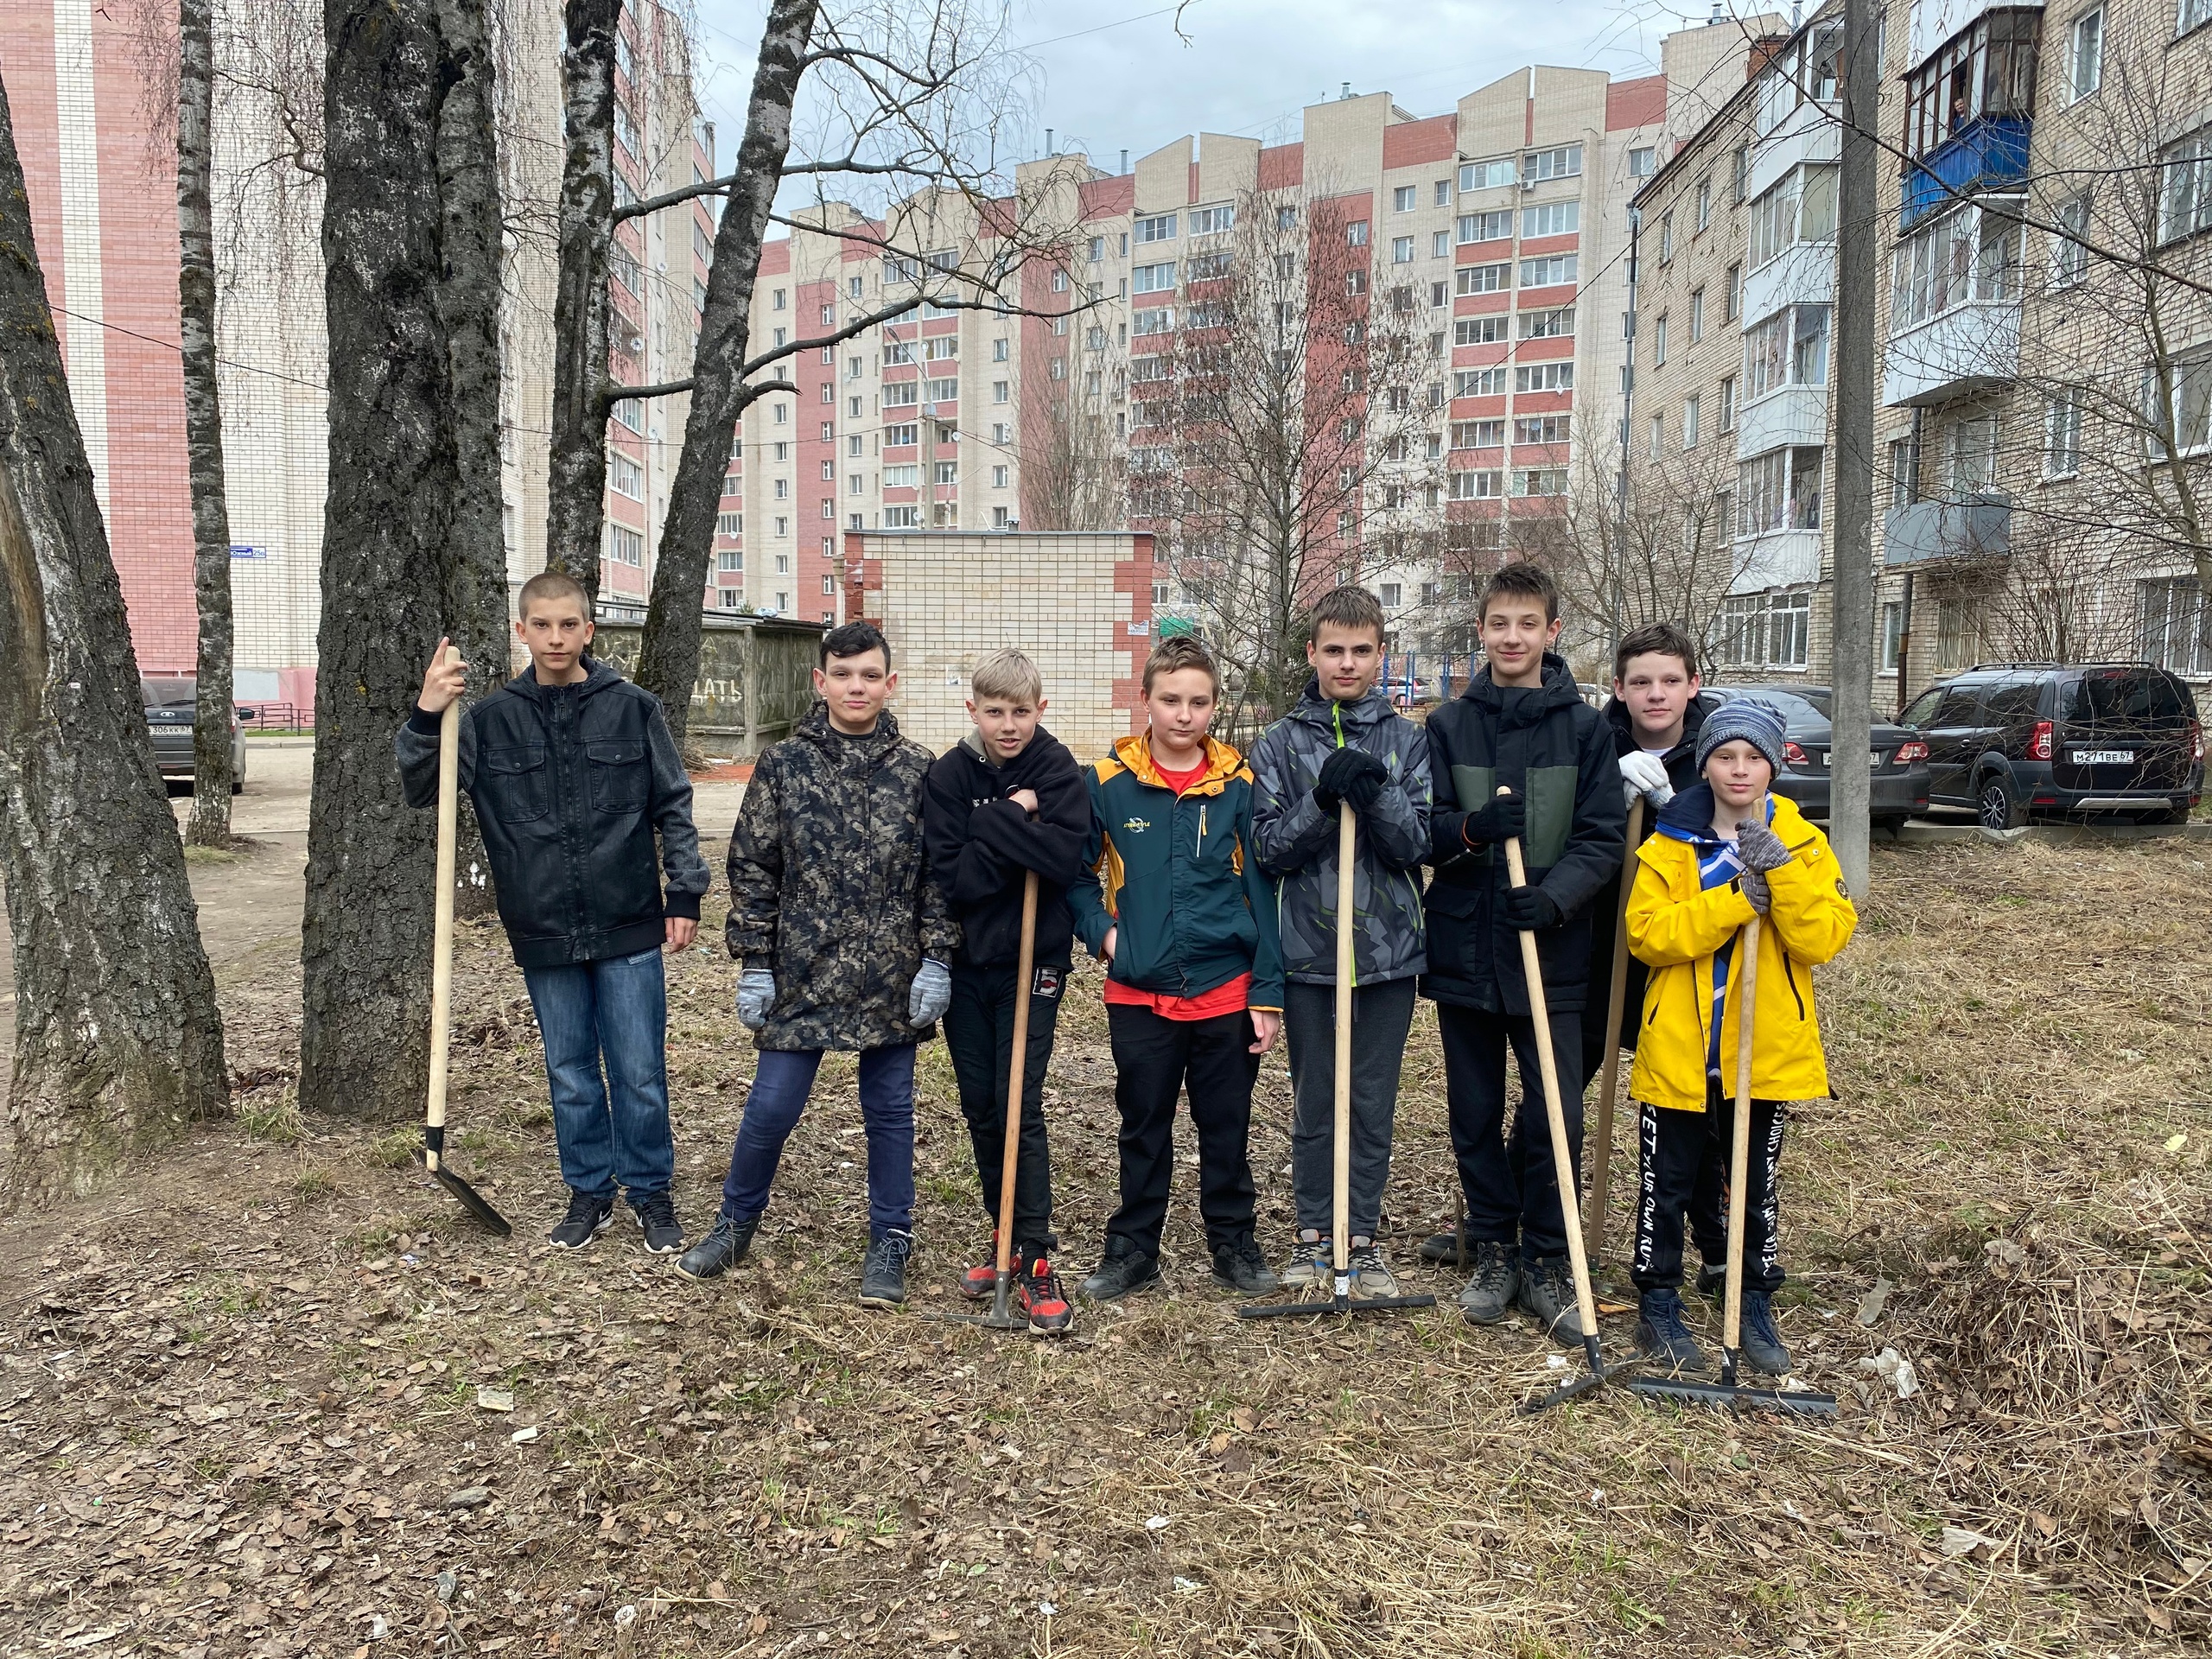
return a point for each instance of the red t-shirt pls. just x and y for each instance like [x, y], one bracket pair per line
[1232, 998]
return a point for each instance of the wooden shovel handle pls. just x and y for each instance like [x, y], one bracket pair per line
[1739, 1141]
[1017, 1070]
[434, 1116]
[1347, 927]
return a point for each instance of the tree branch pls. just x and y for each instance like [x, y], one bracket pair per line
[614, 395]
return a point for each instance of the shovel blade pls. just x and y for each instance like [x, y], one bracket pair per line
[471, 1200]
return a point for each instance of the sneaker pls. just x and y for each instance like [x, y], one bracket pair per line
[1712, 1281]
[1312, 1262]
[979, 1284]
[1761, 1343]
[1444, 1247]
[1239, 1266]
[1491, 1287]
[722, 1248]
[1126, 1267]
[656, 1213]
[1037, 1294]
[883, 1275]
[1371, 1278]
[1662, 1337]
[1547, 1296]
[589, 1214]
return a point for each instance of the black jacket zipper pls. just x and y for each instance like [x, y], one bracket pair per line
[1790, 972]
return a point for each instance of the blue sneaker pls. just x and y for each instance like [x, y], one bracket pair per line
[1662, 1337]
[1763, 1350]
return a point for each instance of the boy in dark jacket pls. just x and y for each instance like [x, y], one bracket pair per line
[846, 940]
[572, 769]
[1007, 799]
[1520, 724]
[1174, 900]
[1342, 744]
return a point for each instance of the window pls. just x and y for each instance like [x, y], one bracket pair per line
[1732, 294]
[1439, 244]
[1704, 202]
[1484, 175]
[1799, 207]
[829, 472]
[944, 391]
[1154, 279]
[1903, 473]
[1098, 250]
[1997, 257]
[902, 394]
[1767, 630]
[945, 472]
[1485, 227]
[2069, 259]
[1724, 413]
[2061, 437]
[626, 546]
[1478, 434]
[1539, 481]
[1564, 162]
[1443, 193]
[1973, 457]
[1659, 339]
[1986, 70]
[998, 391]
[901, 478]
[1402, 250]
[1002, 433]
[896, 351]
[901, 518]
[1547, 325]
[630, 413]
[2190, 420]
[1477, 486]
[855, 483]
[1482, 279]
[1553, 218]
[1356, 283]
[1892, 631]
[2171, 614]
[1690, 433]
[1479, 382]
[998, 478]
[1393, 595]
[1548, 273]
[1355, 233]
[1542, 428]
[1439, 294]
[625, 477]
[908, 432]
[853, 407]
[2193, 14]
[1779, 489]
[1697, 316]
[2085, 54]
[1643, 161]
[1657, 441]
[1544, 377]
[1157, 321]
[829, 508]
[853, 289]
[1405, 199]
[730, 523]
[783, 490]
[1789, 348]
[1666, 236]
[1212, 221]
[778, 300]
[1479, 331]
[2186, 196]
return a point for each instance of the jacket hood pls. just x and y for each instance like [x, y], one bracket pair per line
[1558, 689]
[817, 728]
[1222, 763]
[1043, 753]
[1315, 708]
[597, 677]
[1688, 816]
[1623, 729]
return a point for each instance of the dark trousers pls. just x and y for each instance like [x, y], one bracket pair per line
[612, 1129]
[979, 1032]
[1707, 1224]
[1381, 1017]
[1685, 1167]
[1512, 1192]
[781, 1084]
[1153, 1058]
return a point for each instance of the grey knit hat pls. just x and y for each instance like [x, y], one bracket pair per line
[1757, 723]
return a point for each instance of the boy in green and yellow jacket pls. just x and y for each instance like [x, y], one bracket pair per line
[1176, 904]
[1726, 850]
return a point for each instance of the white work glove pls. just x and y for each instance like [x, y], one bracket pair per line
[930, 995]
[1646, 775]
[756, 994]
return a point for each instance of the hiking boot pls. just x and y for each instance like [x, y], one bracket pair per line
[1371, 1278]
[1548, 1294]
[1444, 1247]
[1712, 1281]
[1239, 1266]
[1038, 1296]
[1761, 1343]
[883, 1275]
[1312, 1262]
[1491, 1289]
[589, 1214]
[1124, 1268]
[979, 1284]
[722, 1248]
[1661, 1338]
[656, 1213]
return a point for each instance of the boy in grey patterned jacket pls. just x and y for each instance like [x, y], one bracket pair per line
[1342, 743]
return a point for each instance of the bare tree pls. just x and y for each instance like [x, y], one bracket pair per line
[1285, 433]
[117, 1039]
[1075, 470]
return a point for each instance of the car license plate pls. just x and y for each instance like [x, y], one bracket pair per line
[2104, 757]
[1875, 760]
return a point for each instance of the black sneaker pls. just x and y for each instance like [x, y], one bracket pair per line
[1239, 1266]
[1444, 1247]
[722, 1248]
[1546, 1295]
[1763, 1350]
[1712, 1281]
[1491, 1287]
[1662, 1337]
[883, 1275]
[589, 1214]
[1126, 1267]
[656, 1213]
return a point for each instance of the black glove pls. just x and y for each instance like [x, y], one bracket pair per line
[1505, 818]
[1530, 910]
[1352, 775]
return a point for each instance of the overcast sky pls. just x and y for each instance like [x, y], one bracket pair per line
[1111, 74]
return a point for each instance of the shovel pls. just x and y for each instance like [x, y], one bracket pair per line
[1601, 1177]
[434, 1118]
[1340, 1232]
[1532, 970]
[1003, 1316]
[1726, 1392]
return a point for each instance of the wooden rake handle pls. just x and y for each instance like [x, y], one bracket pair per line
[434, 1116]
[1017, 1070]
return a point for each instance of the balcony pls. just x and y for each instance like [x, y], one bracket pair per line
[1931, 532]
[1972, 348]
[1990, 153]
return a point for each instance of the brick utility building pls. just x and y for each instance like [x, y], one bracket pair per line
[1079, 603]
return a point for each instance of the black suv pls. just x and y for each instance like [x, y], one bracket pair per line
[2006, 740]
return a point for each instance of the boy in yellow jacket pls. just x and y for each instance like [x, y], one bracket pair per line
[1727, 849]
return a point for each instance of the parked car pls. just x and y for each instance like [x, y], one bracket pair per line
[2009, 739]
[1898, 782]
[170, 716]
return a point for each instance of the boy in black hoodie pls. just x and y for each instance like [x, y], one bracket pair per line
[1005, 799]
[1520, 724]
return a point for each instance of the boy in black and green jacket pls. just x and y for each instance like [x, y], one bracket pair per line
[1175, 902]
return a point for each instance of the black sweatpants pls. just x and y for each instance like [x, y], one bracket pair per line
[1707, 1224]
[1154, 1058]
[1380, 1016]
[1685, 1167]
[979, 1032]
[1512, 1192]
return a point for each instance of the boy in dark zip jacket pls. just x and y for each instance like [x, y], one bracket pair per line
[1342, 744]
[1174, 900]
[1520, 724]
[1007, 799]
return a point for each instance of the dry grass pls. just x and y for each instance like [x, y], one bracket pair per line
[244, 1398]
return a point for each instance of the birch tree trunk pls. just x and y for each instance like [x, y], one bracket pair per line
[575, 477]
[212, 771]
[117, 1039]
[668, 656]
[394, 478]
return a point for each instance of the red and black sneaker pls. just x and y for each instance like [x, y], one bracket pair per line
[979, 1284]
[1037, 1293]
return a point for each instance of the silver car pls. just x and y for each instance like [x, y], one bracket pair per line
[169, 704]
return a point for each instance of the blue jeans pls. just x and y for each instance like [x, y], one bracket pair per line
[612, 1132]
[781, 1085]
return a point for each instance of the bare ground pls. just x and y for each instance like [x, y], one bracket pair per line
[243, 1406]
